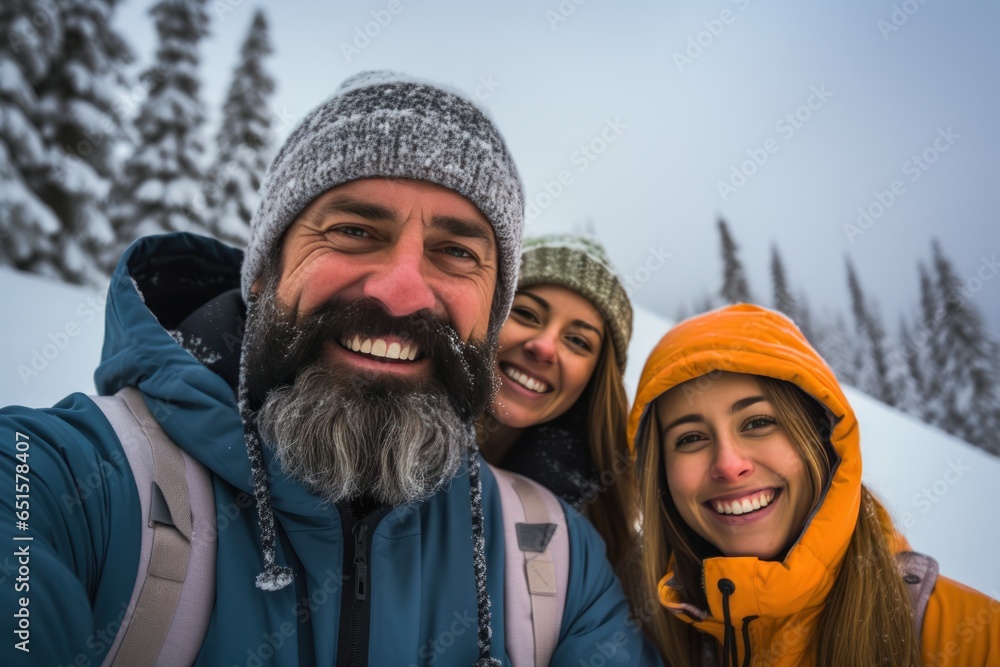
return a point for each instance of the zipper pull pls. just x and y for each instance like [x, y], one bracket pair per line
[360, 562]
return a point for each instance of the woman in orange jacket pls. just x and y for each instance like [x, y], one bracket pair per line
[759, 543]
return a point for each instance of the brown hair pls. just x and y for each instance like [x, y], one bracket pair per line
[612, 508]
[864, 607]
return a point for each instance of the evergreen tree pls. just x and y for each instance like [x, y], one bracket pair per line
[244, 140]
[927, 361]
[783, 298]
[875, 375]
[969, 386]
[734, 281]
[82, 119]
[161, 187]
[804, 319]
[905, 373]
[30, 37]
[838, 347]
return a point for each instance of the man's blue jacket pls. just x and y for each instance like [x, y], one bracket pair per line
[85, 517]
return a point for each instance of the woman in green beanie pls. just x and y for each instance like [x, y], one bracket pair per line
[560, 413]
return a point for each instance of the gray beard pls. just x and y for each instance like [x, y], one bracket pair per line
[352, 437]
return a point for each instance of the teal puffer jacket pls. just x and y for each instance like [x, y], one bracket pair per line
[84, 518]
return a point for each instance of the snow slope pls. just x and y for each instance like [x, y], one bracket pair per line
[934, 484]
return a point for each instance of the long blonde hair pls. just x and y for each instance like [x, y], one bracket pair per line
[867, 603]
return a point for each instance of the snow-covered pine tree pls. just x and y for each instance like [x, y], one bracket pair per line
[928, 355]
[876, 373]
[735, 288]
[244, 140]
[905, 373]
[910, 351]
[784, 300]
[30, 37]
[161, 187]
[804, 319]
[838, 347]
[971, 389]
[83, 119]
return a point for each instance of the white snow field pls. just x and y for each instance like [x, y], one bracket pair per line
[937, 487]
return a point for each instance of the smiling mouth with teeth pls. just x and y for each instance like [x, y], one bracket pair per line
[525, 380]
[379, 347]
[745, 505]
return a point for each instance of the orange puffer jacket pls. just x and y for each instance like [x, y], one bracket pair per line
[961, 627]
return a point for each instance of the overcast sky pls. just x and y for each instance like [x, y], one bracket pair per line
[647, 121]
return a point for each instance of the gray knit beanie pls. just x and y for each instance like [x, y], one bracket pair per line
[580, 263]
[389, 125]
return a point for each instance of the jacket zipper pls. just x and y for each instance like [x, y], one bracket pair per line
[356, 600]
[360, 605]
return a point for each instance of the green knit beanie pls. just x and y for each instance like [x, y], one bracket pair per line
[580, 263]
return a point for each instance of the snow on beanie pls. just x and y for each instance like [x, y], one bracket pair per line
[384, 124]
[580, 263]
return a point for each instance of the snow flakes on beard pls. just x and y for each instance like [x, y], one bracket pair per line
[348, 433]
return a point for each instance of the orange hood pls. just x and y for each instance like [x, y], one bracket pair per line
[786, 596]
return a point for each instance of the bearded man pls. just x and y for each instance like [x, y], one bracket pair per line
[328, 381]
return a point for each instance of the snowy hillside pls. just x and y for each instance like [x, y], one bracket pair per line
[933, 483]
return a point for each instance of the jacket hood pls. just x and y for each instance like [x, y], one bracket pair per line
[158, 282]
[749, 339]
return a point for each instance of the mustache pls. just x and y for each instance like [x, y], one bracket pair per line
[291, 342]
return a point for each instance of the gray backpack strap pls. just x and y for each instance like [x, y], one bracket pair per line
[174, 593]
[920, 573]
[536, 571]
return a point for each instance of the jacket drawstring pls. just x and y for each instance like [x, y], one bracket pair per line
[274, 577]
[729, 651]
[479, 559]
[746, 639]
